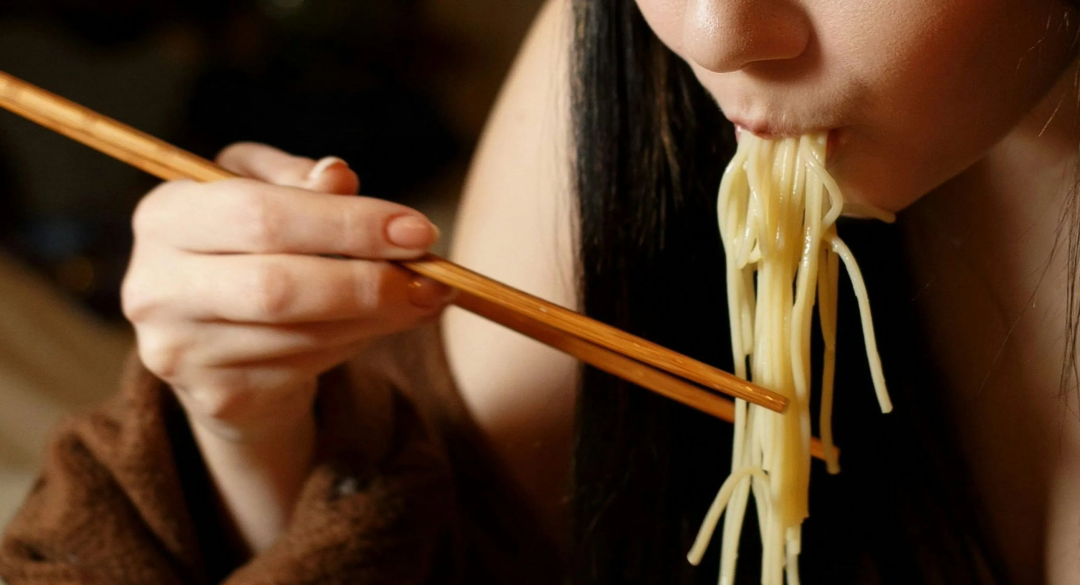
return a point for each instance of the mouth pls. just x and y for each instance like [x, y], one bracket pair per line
[763, 130]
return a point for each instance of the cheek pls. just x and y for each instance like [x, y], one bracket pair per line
[944, 81]
[921, 95]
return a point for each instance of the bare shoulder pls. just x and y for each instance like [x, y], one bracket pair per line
[516, 224]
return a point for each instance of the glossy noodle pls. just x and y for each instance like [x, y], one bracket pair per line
[777, 209]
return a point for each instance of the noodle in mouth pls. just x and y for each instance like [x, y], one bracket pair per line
[777, 209]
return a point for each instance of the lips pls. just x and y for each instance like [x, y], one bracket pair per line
[763, 130]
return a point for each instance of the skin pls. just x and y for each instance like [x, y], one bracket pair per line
[916, 97]
[515, 226]
[990, 269]
[942, 101]
[214, 292]
[219, 315]
[956, 105]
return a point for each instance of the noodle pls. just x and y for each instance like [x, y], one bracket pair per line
[777, 208]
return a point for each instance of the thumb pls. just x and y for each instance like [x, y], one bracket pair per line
[269, 164]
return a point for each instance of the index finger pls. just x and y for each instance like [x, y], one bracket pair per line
[247, 216]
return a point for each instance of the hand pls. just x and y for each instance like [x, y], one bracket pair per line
[234, 304]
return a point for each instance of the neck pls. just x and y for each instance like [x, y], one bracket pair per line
[998, 228]
[989, 254]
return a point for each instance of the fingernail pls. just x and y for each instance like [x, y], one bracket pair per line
[324, 165]
[429, 294]
[410, 231]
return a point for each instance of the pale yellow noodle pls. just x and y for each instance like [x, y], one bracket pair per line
[717, 508]
[827, 285]
[776, 207]
[876, 372]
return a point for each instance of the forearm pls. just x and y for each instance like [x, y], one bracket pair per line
[258, 474]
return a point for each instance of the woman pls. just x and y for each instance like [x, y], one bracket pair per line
[397, 477]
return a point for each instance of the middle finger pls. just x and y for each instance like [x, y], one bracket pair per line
[281, 288]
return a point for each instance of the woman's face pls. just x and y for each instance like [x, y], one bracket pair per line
[913, 91]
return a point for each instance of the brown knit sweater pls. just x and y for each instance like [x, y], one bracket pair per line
[405, 491]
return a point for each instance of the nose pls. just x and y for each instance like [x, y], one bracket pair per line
[728, 35]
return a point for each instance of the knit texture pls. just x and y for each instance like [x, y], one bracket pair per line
[404, 491]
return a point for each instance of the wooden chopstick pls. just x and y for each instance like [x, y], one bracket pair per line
[168, 162]
[594, 331]
[611, 362]
[595, 343]
[601, 358]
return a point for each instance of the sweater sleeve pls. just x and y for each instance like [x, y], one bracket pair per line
[123, 498]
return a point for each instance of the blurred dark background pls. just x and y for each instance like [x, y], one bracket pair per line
[399, 88]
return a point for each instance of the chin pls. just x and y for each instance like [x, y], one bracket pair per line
[879, 179]
[882, 190]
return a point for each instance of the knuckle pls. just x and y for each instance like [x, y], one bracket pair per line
[258, 220]
[134, 303]
[227, 397]
[361, 230]
[146, 215]
[159, 206]
[272, 290]
[142, 216]
[138, 301]
[369, 284]
[240, 394]
[161, 353]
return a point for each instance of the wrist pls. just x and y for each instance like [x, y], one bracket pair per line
[258, 475]
[254, 417]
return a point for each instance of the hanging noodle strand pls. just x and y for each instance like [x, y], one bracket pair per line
[777, 208]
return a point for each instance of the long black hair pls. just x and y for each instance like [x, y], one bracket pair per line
[650, 148]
